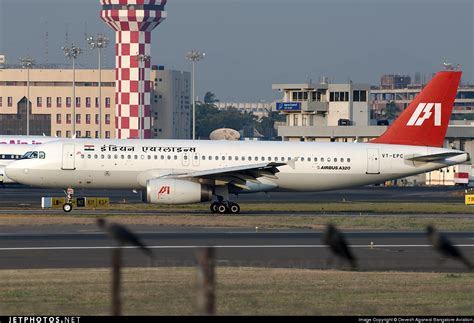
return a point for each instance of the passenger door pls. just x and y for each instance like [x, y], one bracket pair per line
[68, 157]
[373, 161]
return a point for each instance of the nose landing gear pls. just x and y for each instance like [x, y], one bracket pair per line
[67, 206]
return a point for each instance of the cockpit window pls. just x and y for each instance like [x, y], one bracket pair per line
[26, 155]
[34, 155]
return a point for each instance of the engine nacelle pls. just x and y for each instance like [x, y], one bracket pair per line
[175, 191]
[3, 178]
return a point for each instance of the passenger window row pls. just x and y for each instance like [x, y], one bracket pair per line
[211, 158]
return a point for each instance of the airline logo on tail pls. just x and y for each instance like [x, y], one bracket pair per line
[423, 112]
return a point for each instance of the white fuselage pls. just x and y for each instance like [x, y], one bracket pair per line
[120, 164]
[13, 147]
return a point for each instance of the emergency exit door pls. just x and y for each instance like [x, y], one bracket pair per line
[68, 157]
[373, 161]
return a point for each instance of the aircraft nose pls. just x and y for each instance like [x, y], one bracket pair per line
[16, 172]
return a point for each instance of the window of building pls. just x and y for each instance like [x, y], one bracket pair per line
[68, 118]
[316, 96]
[78, 102]
[300, 96]
[78, 118]
[39, 102]
[48, 102]
[339, 96]
[68, 134]
[304, 120]
[78, 134]
[68, 102]
[88, 102]
[58, 102]
[58, 133]
[88, 134]
[88, 118]
[96, 102]
[96, 119]
[295, 120]
[107, 102]
[359, 96]
[10, 101]
[58, 118]
[1, 101]
[107, 119]
[107, 134]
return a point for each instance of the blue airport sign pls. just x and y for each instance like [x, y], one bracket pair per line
[288, 106]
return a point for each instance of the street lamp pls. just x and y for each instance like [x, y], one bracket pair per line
[143, 58]
[194, 56]
[27, 63]
[72, 53]
[99, 42]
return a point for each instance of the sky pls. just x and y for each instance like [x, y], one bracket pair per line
[251, 44]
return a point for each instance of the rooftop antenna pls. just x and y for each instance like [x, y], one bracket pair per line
[46, 43]
[66, 40]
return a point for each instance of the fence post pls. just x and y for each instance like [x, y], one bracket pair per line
[206, 289]
[116, 267]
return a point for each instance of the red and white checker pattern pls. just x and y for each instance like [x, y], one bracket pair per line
[133, 36]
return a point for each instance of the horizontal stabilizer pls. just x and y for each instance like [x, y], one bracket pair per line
[433, 157]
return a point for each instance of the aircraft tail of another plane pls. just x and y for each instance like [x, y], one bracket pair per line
[425, 121]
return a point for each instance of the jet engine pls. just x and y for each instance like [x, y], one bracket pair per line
[175, 191]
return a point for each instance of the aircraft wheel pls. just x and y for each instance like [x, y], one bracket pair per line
[234, 208]
[214, 207]
[67, 207]
[222, 208]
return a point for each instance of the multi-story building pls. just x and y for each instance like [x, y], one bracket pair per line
[394, 81]
[259, 109]
[313, 111]
[52, 111]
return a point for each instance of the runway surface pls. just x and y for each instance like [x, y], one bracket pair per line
[83, 246]
[15, 195]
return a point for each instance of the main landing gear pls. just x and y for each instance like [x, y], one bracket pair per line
[224, 207]
[67, 206]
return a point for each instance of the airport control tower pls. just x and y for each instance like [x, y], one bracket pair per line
[133, 21]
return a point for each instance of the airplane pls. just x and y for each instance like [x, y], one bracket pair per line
[191, 171]
[14, 147]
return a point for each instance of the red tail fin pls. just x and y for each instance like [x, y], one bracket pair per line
[425, 121]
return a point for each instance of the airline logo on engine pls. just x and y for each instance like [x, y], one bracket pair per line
[423, 112]
[163, 190]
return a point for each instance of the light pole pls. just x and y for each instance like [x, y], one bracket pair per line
[99, 42]
[72, 53]
[27, 63]
[194, 56]
[142, 58]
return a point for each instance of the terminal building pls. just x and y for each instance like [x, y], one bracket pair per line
[326, 112]
[51, 107]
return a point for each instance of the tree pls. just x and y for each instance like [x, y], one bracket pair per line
[209, 98]
[391, 111]
[266, 125]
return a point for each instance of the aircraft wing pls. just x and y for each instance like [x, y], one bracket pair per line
[433, 157]
[236, 175]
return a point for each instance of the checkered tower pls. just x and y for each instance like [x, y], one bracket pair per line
[133, 21]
